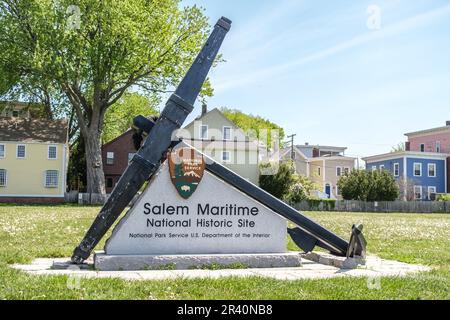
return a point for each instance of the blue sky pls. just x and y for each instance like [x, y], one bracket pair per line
[318, 70]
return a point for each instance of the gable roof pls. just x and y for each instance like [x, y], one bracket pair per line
[213, 111]
[34, 130]
[322, 148]
[296, 150]
[428, 131]
[219, 113]
[119, 137]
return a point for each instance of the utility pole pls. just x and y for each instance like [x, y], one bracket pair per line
[292, 145]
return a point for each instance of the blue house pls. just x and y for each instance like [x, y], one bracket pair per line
[421, 174]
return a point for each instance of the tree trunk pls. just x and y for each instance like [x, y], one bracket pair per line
[94, 164]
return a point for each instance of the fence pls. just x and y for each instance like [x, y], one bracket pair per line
[90, 198]
[380, 206]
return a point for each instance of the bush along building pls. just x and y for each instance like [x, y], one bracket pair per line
[422, 170]
[324, 165]
[33, 159]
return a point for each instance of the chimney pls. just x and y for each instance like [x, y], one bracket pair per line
[204, 108]
[316, 153]
[448, 123]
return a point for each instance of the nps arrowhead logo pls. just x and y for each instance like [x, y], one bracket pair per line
[186, 167]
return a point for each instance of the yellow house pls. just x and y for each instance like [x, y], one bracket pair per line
[33, 160]
[218, 137]
[324, 165]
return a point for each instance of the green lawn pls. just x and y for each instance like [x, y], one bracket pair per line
[27, 232]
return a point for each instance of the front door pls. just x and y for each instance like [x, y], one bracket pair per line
[328, 190]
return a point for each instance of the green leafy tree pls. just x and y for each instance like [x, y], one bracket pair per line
[255, 124]
[93, 52]
[119, 117]
[369, 186]
[278, 183]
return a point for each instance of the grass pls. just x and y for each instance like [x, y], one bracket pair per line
[28, 232]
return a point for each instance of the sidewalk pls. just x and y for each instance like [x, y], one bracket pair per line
[374, 267]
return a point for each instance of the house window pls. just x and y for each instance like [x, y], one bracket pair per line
[319, 172]
[52, 152]
[337, 191]
[110, 158]
[382, 167]
[226, 156]
[432, 193]
[418, 192]
[21, 151]
[422, 147]
[109, 182]
[438, 146]
[204, 132]
[432, 170]
[15, 113]
[396, 169]
[338, 171]
[2, 151]
[226, 133]
[346, 170]
[130, 156]
[2, 178]
[51, 178]
[374, 168]
[417, 169]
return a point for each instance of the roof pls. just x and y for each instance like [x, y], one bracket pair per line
[286, 150]
[432, 130]
[215, 110]
[321, 147]
[327, 157]
[402, 154]
[126, 133]
[33, 130]
[225, 118]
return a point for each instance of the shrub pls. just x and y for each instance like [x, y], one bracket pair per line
[278, 179]
[369, 186]
[444, 197]
[296, 193]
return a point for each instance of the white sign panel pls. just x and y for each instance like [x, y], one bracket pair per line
[216, 219]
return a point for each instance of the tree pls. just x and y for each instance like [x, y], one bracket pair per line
[406, 188]
[399, 147]
[249, 122]
[300, 189]
[368, 186]
[278, 183]
[93, 52]
[76, 171]
[119, 117]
